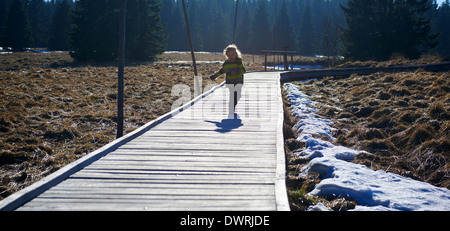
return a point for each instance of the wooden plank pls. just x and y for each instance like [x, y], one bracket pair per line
[142, 192]
[201, 153]
[17, 199]
[185, 181]
[174, 177]
[204, 140]
[171, 204]
[189, 158]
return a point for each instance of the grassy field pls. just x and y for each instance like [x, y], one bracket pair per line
[403, 119]
[54, 111]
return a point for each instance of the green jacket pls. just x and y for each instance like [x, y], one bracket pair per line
[228, 67]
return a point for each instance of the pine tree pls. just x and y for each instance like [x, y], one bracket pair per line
[375, 24]
[166, 15]
[361, 28]
[60, 26]
[329, 38]
[261, 29]
[283, 35]
[40, 20]
[143, 33]
[176, 29]
[220, 32]
[18, 30]
[377, 29]
[305, 36]
[243, 29]
[4, 9]
[94, 33]
[412, 30]
[196, 25]
[443, 17]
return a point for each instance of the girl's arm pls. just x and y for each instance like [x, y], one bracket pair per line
[242, 68]
[217, 74]
[220, 72]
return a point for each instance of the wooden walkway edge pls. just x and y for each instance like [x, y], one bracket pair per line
[320, 73]
[187, 159]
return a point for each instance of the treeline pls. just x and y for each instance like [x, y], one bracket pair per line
[301, 25]
[95, 26]
[378, 29]
[381, 27]
[358, 29]
[88, 28]
[34, 23]
[440, 24]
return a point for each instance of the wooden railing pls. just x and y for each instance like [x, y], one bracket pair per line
[285, 53]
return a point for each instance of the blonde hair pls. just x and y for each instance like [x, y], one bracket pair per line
[230, 48]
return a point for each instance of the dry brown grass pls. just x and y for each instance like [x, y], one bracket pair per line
[396, 60]
[401, 118]
[54, 110]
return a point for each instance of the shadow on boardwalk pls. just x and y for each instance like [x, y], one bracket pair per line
[226, 125]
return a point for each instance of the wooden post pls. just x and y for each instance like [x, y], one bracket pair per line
[265, 61]
[235, 21]
[120, 84]
[275, 66]
[285, 59]
[197, 79]
[189, 37]
[292, 62]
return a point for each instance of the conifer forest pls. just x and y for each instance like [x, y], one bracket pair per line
[65, 94]
[355, 29]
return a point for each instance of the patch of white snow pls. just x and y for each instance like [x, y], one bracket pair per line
[371, 190]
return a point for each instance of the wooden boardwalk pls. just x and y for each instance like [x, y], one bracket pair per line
[189, 160]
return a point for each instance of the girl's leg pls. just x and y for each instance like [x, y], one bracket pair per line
[235, 95]
[231, 101]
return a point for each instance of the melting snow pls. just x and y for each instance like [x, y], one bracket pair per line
[372, 190]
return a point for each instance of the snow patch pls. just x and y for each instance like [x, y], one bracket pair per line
[371, 190]
[305, 109]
